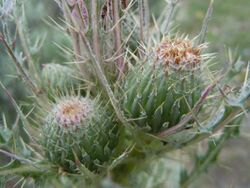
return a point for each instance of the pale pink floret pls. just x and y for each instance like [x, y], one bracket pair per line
[72, 111]
[178, 54]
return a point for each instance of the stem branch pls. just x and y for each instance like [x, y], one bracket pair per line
[181, 125]
[118, 42]
[102, 78]
[19, 68]
[94, 23]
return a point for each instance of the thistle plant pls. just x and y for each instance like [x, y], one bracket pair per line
[131, 93]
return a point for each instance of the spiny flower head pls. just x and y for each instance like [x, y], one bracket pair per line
[157, 100]
[72, 111]
[178, 54]
[79, 128]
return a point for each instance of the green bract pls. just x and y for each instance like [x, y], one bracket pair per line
[59, 77]
[78, 130]
[158, 93]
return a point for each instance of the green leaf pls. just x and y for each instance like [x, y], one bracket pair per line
[5, 132]
[5, 135]
[162, 172]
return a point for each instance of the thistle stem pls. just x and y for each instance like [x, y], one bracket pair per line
[209, 158]
[203, 32]
[75, 38]
[13, 156]
[94, 23]
[25, 45]
[19, 68]
[118, 41]
[168, 18]
[41, 169]
[144, 19]
[102, 78]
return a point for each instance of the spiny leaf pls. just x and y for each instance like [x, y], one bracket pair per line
[203, 32]
[22, 129]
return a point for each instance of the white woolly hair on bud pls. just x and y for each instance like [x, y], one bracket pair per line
[71, 112]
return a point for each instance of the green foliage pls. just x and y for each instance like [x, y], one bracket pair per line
[161, 172]
[130, 94]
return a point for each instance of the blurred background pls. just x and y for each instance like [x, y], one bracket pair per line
[228, 28]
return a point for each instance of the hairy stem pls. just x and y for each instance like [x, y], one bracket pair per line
[168, 18]
[30, 169]
[118, 41]
[95, 37]
[203, 32]
[19, 68]
[75, 38]
[102, 78]
[144, 19]
[13, 156]
[25, 45]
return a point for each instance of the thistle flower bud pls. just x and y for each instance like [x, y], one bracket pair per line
[78, 130]
[159, 92]
[71, 112]
[58, 77]
[178, 54]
